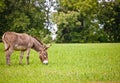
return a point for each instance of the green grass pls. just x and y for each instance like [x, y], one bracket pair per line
[68, 63]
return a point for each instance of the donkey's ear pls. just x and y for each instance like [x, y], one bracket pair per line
[48, 45]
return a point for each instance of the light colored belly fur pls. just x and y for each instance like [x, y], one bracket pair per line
[17, 47]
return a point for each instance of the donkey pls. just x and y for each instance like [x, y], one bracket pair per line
[23, 42]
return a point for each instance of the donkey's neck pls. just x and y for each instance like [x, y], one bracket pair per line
[37, 46]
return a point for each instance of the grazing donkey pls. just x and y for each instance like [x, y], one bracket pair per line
[23, 42]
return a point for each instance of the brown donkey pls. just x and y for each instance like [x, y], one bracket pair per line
[23, 42]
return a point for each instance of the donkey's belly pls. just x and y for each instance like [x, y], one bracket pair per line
[23, 48]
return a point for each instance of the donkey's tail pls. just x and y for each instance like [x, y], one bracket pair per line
[4, 39]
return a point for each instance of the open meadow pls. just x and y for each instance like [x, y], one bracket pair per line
[68, 63]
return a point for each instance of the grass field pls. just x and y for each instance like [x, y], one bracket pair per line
[68, 63]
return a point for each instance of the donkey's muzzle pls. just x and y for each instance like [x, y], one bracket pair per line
[45, 62]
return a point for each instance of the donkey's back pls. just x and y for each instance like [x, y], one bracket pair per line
[16, 41]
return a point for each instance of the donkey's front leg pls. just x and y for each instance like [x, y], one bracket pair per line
[27, 57]
[21, 57]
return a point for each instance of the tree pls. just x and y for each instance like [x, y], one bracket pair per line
[2, 5]
[67, 23]
[80, 23]
[99, 21]
[108, 15]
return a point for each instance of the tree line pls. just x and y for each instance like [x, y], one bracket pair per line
[88, 21]
[78, 21]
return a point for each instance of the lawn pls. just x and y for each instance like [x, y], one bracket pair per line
[68, 63]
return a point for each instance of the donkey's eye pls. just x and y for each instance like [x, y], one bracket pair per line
[45, 56]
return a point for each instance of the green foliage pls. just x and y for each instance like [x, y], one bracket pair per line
[68, 63]
[66, 23]
[91, 15]
[79, 26]
[108, 15]
[2, 5]
[20, 22]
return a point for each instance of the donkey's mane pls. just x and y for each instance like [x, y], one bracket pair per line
[38, 40]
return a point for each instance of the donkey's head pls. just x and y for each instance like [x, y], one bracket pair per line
[44, 54]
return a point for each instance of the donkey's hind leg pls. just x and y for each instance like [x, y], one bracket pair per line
[8, 53]
[27, 57]
[21, 57]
